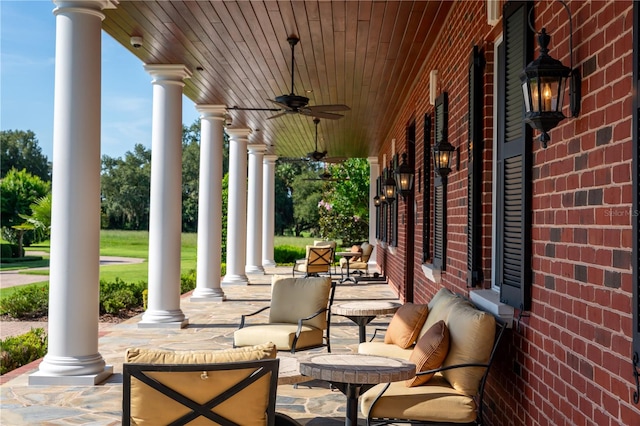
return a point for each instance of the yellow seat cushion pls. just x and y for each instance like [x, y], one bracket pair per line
[282, 334]
[436, 402]
[384, 349]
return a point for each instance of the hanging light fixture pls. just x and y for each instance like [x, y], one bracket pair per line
[442, 153]
[543, 84]
[404, 177]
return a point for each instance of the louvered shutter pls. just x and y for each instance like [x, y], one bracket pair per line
[514, 163]
[439, 188]
[474, 169]
[426, 194]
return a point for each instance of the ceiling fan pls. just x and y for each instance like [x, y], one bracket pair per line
[326, 176]
[296, 104]
[316, 155]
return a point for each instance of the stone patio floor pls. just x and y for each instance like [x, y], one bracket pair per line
[211, 326]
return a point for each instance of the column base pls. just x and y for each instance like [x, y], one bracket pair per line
[48, 379]
[235, 279]
[254, 270]
[163, 319]
[269, 263]
[208, 295]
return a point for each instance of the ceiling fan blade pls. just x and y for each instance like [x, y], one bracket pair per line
[277, 115]
[323, 108]
[237, 108]
[319, 114]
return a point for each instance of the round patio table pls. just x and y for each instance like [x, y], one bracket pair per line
[354, 374]
[363, 312]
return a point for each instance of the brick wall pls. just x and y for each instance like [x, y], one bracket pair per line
[568, 362]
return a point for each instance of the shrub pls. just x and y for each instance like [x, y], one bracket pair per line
[17, 351]
[8, 251]
[288, 254]
[118, 295]
[187, 281]
[26, 302]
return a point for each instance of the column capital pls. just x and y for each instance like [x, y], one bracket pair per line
[256, 148]
[270, 158]
[372, 160]
[93, 7]
[212, 111]
[168, 72]
[239, 133]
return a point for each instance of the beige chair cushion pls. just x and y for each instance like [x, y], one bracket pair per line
[247, 407]
[439, 308]
[318, 259]
[384, 349]
[406, 324]
[472, 334]
[367, 249]
[282, 334]
[157, 356]
[295, 298]
[355, 249]
[436, 402]
[429, 352]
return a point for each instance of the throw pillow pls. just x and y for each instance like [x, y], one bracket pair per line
[429, 352]
[355, 249]
[406, 324]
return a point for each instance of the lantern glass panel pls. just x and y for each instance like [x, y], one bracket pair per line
[525, 94]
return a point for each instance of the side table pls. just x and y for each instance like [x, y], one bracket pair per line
[363, 312]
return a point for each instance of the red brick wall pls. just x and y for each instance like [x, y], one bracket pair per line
[569, 361]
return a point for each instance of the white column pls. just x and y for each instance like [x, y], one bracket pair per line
[237, 207]
[74, 283]
[254, 210]
[268, 214]
[374, 172]
[210, 204]
[165, 212]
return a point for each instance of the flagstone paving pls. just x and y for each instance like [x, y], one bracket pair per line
[211, 326]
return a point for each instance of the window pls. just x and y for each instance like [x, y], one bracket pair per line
[426, 193]
[513, 245]
[474, 169]
[439, 187]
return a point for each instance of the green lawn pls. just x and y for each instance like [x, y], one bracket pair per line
[136, 244]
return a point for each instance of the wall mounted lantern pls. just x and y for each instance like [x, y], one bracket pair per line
[376, 201]
[442, 153]
[404, 177]
[543, 84]
[389, 188]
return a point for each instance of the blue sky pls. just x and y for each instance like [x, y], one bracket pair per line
[27, 59]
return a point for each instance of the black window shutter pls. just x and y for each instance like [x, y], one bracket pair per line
[394, 208]
[439, 187]
[514, 162]
[474, 169]
[426, 194]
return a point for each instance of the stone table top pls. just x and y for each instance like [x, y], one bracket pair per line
[289, 371]
[365, 308]
[357, 368]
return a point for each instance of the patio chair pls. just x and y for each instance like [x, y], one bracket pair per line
[228, 387]
[318, 260]
[298, 317]
[361, 265]
[333, 245]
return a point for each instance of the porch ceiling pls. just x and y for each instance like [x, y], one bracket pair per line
[365, 54]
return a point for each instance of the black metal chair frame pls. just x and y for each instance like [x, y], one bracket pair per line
[500, 329]
[261, 368]
[327, 338]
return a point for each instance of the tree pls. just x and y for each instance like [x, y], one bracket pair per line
[20, 150]
[306, 194]
[18, 190]
[190, 176]
[125, 186]
[344, 211]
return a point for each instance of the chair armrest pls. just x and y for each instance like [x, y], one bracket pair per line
[313, 315]
[242, 318]
[375, 332]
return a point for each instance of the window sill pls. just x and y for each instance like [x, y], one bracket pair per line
[489, 300]
[431, 273]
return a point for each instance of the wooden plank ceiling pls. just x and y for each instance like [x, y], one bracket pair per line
[365, 54]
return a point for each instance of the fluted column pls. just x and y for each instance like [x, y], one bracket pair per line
[374, 172]
[268, 213]
[254, 210]
[237, 207]
[210, 204]
[165, 212]
[74, 283]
